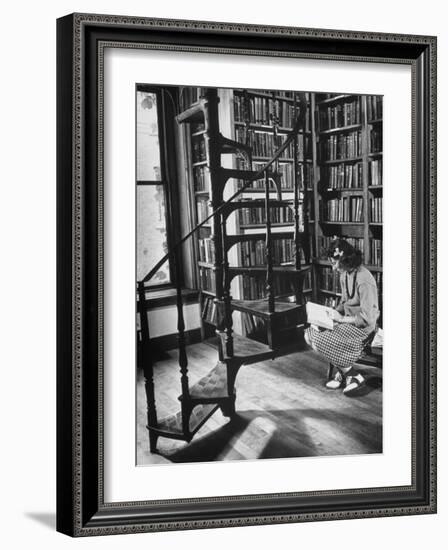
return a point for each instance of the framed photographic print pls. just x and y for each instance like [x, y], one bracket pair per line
[246, 274]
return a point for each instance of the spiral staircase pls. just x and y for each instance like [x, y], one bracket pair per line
[281, 315]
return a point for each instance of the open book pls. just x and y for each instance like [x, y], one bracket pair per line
[319, 315]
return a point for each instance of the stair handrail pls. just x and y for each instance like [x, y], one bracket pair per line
[289, 139]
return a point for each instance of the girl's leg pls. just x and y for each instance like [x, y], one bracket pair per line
[310, 335]
[335, 378]
[353, 380]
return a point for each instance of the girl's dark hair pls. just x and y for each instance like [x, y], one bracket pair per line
[349, 257]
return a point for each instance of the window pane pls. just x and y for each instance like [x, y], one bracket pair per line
[148, 149]
[151, 233]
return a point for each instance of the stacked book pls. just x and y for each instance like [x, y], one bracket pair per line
[343, 176]
[341, 146]
[345, 209]
[340, 115]
[376, 172]
[376, 209]
[206, 250]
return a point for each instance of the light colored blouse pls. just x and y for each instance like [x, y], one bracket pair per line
[364, 304]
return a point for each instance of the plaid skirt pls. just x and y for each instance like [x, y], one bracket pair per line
[342, 346]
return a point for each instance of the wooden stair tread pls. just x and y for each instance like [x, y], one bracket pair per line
[287, 269]
[229, 146]
[258, 203]
[245, 175]
[194, 113]
[245, 349]
[250, 350]
[232, 239]
[172, 425]
[213, 385]
[260, 308]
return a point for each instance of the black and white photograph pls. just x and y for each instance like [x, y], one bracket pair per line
[259, 270]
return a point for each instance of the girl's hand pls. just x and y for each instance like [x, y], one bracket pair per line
[336, 316]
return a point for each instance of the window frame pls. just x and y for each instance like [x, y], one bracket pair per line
[168, 176]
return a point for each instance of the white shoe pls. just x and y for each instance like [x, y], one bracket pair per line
[336, 382]
[307, 338]
[354, 383]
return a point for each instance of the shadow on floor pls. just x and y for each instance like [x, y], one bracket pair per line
[283, 434]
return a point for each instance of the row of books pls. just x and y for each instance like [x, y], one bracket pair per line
[266, 110]
[265, 144]
[329, 280]
[307, 281]
[206, 250]
[345, 209]
[376, 252]
[325, 242]
[198, 146]
[341, 146]
[374, 107]
[305, 176]
[253, 253]
[203, 209]
[255, 288]
[252, 324]
[339, 115]
[279, 214]
[378, 276]
[209, 310]
[375, 140]
[376, 172]
[286, 171]
[376, 209]
[342, 176]
[287, 94]
[207, 279]
[200, 178]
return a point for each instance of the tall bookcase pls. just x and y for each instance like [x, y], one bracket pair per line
[348, 186]
[262, 119]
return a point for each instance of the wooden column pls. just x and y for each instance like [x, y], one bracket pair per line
[183, 359]
[147, 365]
[269, 259]
[365, 178]
[316, 176]
[211, 138]
[228, 322]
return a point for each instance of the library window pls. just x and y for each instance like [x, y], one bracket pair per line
[153, 187]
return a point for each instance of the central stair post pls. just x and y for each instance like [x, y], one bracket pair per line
[212, 139]
[228, 322]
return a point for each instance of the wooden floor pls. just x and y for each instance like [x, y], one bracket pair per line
[284, 410]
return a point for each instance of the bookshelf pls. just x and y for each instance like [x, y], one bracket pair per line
[262, 119]
[338, 164]
[348, 186]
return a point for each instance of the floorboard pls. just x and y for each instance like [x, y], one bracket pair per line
[284, 410]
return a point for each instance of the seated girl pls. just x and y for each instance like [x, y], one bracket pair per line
[355, 318]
